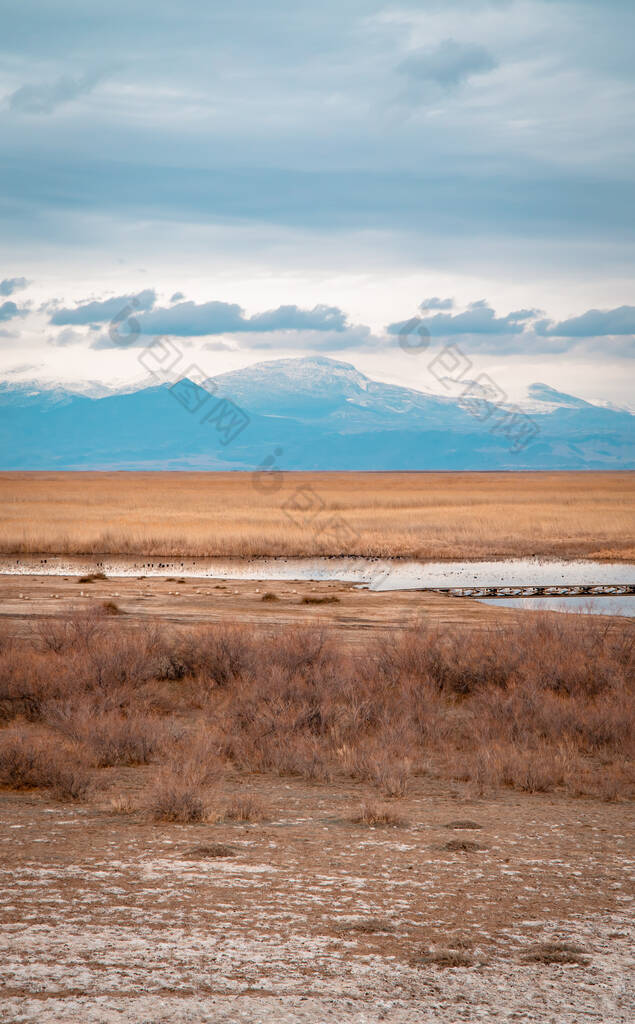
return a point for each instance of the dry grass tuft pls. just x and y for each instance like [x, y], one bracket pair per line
[270, 596]
[111, 608]
[377, 814]
[93, 577]
[556, 953]
[466, 824]
[461, 942]
[446, 958]
[208, 852]
[179, 799]
[327, 599]
[462, 846]
[245, 808]
[367, 926]
[122, 803]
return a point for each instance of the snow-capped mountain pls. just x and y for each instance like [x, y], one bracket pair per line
[319, 388]
[313, 413]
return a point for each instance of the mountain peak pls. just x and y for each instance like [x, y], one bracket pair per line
[316, 375]
[545, 393]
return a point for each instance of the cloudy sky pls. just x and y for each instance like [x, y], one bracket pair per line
[255, 180]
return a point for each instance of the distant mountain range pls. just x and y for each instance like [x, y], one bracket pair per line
[314, 413]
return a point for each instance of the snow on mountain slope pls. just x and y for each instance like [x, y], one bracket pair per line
[320, 412]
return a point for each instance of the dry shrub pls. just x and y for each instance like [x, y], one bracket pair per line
[486, 706]
[377, 814]
[112, 737]
[328, 599]
[84, 627]
[22, 686]
[53, 633]
[391, 776]
[245, 807]
[111, 608]
[75, 633]
[270, 596]
[540, 769]
[182, 790]
[547, 651]
[221, 655]
[536, 706]
[179, 799]
[85, 654]
[297, 652]
[114, 660]
[7, 640]
[30, 762]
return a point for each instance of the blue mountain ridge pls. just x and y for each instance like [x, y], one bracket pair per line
[310, 413]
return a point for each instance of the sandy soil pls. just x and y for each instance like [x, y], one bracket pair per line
[194, 601]
[110, 919]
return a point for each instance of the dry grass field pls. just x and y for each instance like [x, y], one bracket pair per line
[418, 515]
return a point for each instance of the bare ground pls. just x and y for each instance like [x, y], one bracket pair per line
[107, 918]
[354, 615]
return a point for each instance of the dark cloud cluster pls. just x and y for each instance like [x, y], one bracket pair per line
[134, 317]
[191, 320]
[436, 303]
[12, 284]
[594, 323]
[479, 318]
[447, 65]
[525, 330]
[9, 310]
[45, 97]
[102, 311]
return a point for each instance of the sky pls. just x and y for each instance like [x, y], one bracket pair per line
[365, 180]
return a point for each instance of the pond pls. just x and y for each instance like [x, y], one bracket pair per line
[622, 605]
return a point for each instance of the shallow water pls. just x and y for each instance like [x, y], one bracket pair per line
[373, 573]
[623, 605]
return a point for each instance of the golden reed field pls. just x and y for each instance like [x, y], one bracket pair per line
[417, 515]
